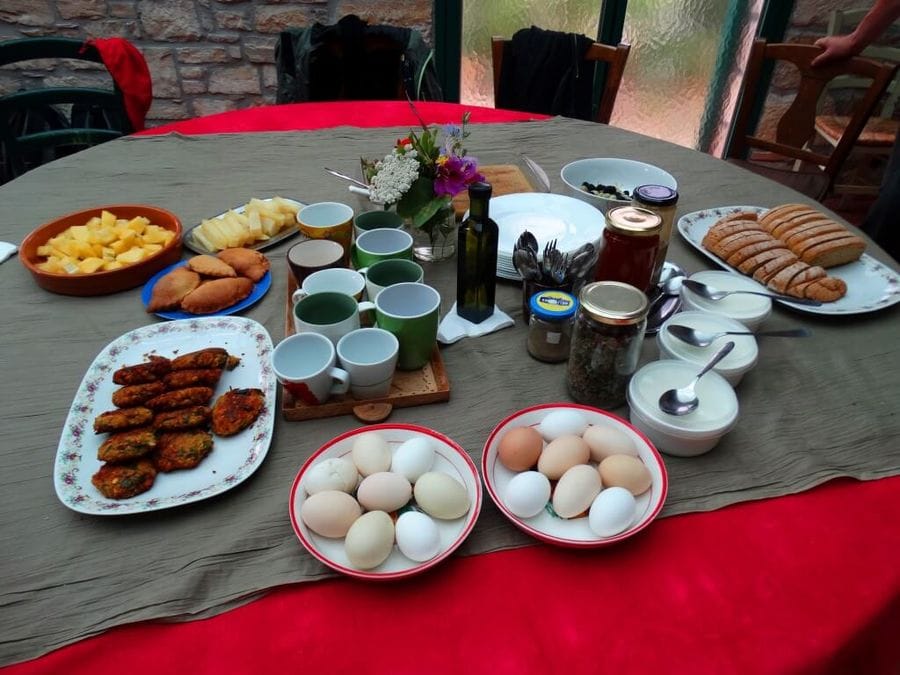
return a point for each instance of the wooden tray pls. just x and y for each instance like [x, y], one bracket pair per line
[410, 387]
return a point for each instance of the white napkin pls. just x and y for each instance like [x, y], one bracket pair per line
[453, 327]
[7, 250]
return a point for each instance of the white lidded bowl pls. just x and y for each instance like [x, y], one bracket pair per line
[624, 174]
[750, 310]
[688, 435]
[733, 367]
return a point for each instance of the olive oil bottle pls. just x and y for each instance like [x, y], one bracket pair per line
[476, 258]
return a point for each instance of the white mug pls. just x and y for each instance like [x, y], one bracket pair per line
[338, 279]
[305, 364]
[328, 313]
[370, 356]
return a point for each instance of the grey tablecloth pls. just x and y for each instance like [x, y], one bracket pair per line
[811, 410]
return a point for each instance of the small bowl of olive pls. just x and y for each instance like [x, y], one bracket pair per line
[608, 182]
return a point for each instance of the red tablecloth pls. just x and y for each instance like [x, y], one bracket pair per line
[807, 583]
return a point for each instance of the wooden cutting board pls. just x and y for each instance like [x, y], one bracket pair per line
[506, 179]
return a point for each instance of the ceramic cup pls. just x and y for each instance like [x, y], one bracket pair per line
[370, 356]
[381, 244]
[305, 364]
[376, 220]
[313, 255]
[337, 279]
[389, 272]
[410, 311]
[328, 220]
[329, 313]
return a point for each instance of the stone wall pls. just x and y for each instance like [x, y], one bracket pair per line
[205, 56]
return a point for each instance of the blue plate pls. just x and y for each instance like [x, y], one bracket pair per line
[259, 289]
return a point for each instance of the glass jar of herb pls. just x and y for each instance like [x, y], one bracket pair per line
[550, 325]
[606, 343]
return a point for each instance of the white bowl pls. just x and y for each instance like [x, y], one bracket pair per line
[624, 174]
[573, 532]
[733, 367]
[750, 310]
[686, 435]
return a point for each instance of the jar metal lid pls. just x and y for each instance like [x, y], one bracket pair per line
[633, 221]
[553, 305]
[613, 302]
[655, 195]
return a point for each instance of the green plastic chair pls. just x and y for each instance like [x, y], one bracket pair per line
[35, 129]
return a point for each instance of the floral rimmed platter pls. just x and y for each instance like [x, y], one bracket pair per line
[450, 458]
[260, 288]
[291, 230]
[871, 285]
[232, 459]
[573, 532]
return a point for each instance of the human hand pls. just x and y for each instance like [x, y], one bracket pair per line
[837, 48]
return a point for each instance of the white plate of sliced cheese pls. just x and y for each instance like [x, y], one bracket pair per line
[259, 224]
[871, 284]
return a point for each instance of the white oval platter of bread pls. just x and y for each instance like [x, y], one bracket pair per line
[794, 250]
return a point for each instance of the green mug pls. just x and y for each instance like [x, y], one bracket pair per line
[376, 220]
[411, 311]
[386, 273]
[381, 244]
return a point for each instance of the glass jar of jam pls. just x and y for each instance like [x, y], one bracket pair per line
[628, 250]
[662, 201]
[550, 325]
[606, 343]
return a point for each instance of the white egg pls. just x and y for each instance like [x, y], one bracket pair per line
[562, 422]
[576, 490]
[441, 496]
[330, 513]
[605, 441]
[612, 511]
[527, 494]
[370, 540]
[334, 473]
[413, 458]
[417, 536]
[384, 491]
[371, 453]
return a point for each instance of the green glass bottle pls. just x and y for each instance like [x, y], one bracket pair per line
[476, 258]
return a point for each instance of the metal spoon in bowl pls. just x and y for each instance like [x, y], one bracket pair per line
[714, 294]
[702, 338]
[684, 400]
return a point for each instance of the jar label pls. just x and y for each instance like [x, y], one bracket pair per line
[554, 338]
[555, 302]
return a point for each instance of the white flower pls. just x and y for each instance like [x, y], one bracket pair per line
[394, 175]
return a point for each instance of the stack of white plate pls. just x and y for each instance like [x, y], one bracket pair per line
[569, 221]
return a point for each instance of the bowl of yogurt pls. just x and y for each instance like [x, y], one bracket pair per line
[750, 310]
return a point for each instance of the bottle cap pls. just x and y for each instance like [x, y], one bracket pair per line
[634, 221]
[613, 302]
[655, 195]
[553, 305]
[480, 189]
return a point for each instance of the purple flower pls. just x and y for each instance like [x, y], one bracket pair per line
[454, 174]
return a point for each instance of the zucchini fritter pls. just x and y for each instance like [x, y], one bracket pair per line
[193, 377]
[127, 445]
[181, 398]
[183, 418]
[122, 419]
[182, 450]
[121, 481]
[236, 410]
[212, 357]
[137, 394]
[149, 371]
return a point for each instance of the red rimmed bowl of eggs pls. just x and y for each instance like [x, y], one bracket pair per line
[573, 475]
[385, 501]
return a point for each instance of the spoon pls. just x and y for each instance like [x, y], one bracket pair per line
[526, 264]
[666, 298]
[701, 338]
[527, 240]
[711, 293]
[684, 400]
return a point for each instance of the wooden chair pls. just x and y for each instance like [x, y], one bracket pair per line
[34, 129]
[796, 126]
[615, 57]
[877, 138]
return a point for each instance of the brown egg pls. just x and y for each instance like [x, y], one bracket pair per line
[627, 472]
[520, 448]
[561, 455]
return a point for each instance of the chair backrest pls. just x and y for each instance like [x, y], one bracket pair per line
[843, 21]
[615, 57]
[34, 128]
[796, 126]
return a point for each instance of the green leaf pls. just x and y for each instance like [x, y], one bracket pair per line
[419, 194]
[426, 212]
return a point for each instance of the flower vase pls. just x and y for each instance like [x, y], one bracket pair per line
[436, 239]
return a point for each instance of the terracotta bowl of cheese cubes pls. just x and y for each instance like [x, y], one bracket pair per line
[102, 250]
